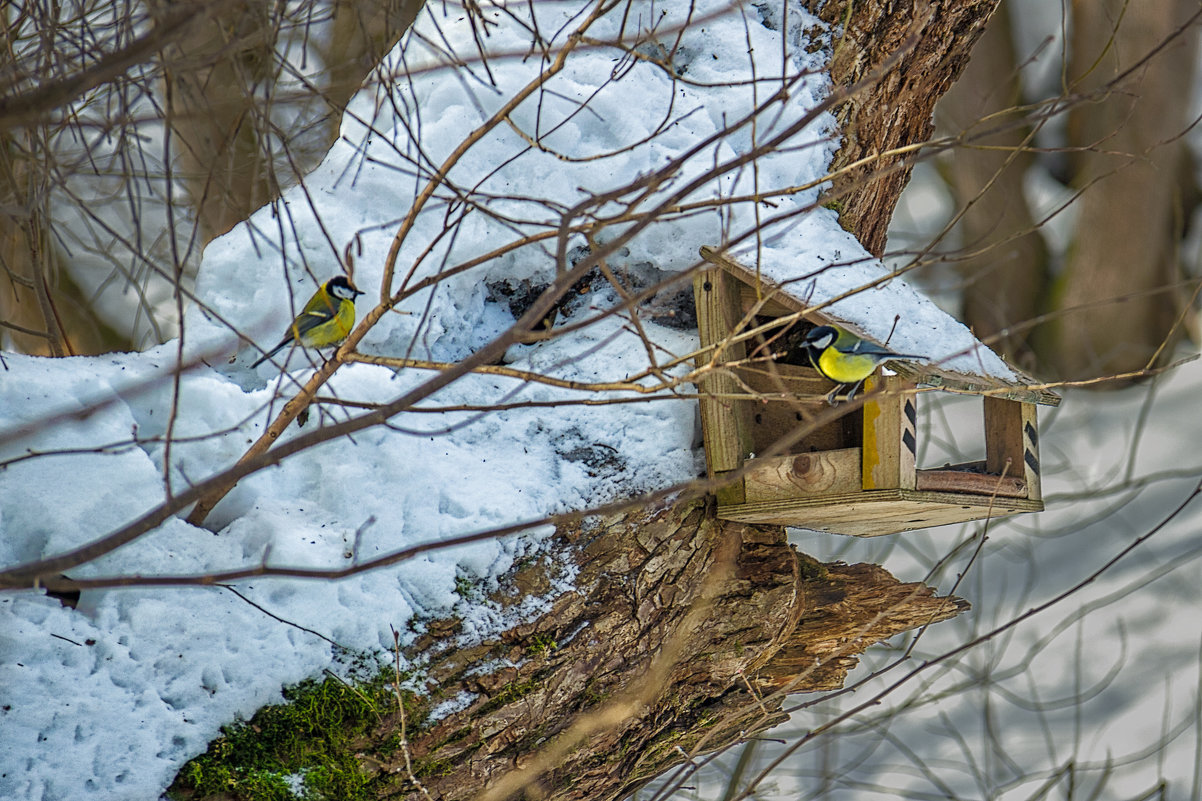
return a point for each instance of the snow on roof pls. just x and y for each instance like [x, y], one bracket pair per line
[864, 298]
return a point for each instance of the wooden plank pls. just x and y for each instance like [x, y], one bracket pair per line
[1012, 442]
[763, 302]
[890, 436]
[748, 276]
[871, 514]
[783, 477]
[727, 440]
[976, 483]
[792, 397]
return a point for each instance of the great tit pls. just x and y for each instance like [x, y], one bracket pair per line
[845, 358]
[326, 319]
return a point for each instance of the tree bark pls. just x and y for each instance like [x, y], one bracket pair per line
[896, 111]
[682, 635]
[221, 80]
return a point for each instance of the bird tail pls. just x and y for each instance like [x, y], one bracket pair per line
[270, 353]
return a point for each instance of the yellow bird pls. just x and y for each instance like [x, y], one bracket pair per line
[326, 319]
[845, 358]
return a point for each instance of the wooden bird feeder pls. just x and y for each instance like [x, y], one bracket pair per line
[856, 473]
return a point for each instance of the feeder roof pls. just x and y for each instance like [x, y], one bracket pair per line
[878, 306]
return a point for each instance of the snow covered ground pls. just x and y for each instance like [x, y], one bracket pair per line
[107, 701]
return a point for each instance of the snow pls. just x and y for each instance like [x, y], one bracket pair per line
[109, 700]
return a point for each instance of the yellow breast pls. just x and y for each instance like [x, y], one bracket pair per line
[843, 368]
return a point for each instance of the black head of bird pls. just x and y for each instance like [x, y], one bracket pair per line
[341, 287]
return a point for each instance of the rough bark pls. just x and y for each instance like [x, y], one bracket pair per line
[896, 111]
[675, 620]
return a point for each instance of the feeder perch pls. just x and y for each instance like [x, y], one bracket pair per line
[853, 473]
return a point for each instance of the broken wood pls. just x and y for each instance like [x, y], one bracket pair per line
[738, 609]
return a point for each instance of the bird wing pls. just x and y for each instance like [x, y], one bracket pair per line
[866, 348]
[318, 310]
[306, 321]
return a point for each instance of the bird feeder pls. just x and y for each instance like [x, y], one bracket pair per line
[788, 458]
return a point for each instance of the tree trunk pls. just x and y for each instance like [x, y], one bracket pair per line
[682, 635]
[896, 111]
[1004, 260]
[42, 311]
[1121, 306]
[222, 78]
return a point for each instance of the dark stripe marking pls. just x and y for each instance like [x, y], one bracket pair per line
[1032, 461]
[908, 441]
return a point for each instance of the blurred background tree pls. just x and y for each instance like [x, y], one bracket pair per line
[123, 157]
[1096, 97]
[132, 135]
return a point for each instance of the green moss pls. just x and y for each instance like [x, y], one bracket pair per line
[338, 779]
[837, 207]
[541, 645]
[594, 693]
[310, 736]
[811, 569]
[467, 587]
[257, 784]
[508, 694]
[433, 768]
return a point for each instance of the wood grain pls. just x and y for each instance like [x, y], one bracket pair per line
[819, 473]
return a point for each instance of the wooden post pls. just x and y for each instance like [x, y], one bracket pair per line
[890, 439]
[727, 438]
[1012, 438]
